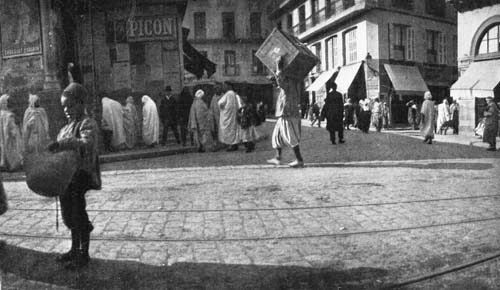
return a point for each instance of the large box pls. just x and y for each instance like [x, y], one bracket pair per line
[299, 60]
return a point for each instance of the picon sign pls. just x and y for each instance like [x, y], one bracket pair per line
[149, 28]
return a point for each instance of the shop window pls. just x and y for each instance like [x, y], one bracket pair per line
[435, 7]
[317, 52]
[257, 65]
[347, 3]
[137, 53]
[442, 48]
[200, 28]
[403, 4]
[228, 25]
[255, 25]
[432, 46]
[490, 42]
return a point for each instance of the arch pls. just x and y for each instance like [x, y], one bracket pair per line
[480, 32]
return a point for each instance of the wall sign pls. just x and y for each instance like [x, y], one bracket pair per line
[154, 27]
[20, 28]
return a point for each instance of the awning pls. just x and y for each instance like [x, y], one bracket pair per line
[478, 81]
[346, 76]
[323, 78]
[195, 62]
[406, 80]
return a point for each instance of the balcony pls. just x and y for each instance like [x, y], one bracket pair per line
[231, 70]
[336, 11]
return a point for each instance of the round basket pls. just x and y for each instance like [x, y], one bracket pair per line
[49, 174]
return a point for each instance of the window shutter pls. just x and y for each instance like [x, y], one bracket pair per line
[410, 43]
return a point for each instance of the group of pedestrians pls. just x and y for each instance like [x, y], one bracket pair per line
[29, 138]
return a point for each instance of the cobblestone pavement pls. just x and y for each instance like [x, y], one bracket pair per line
[358, 225]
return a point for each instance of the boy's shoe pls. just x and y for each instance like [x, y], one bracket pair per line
[274, 161]
[296, 164]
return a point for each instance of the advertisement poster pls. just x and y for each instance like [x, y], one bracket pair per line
[20, 28]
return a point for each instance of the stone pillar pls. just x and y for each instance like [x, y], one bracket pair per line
[49, 46]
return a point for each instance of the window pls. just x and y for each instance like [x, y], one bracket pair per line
[442, 48]
[228, 25]
[490, 41]
[279, 25]
[289, 22]
[331, 53]
[200, 29]
[255, 27]
[399, 38]
[302, 19]
[350, 46]
[257, 66]
[403, 4]
[454, 52]
[435, 7]
[317, 52]
[432, 46]
[137, 53]
[314, 11]
[230, 67]
[330, 7]
[347, 3]
[410, 43]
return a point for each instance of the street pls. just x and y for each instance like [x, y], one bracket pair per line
[377, 210]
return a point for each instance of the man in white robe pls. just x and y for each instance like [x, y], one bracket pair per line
[229, 130]
[112, 120]
[150, 122]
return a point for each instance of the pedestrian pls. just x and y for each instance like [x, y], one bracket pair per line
[491, 124]
[413, 118]
[364, 115]
[348, 114]
[201, 123]
[130, 123]
[333, 112]
[183, 108]
[287, 128]
[455, 109]
[112, 124]
[428, 118]
[11, 142]
[247, 119]
[385, 115]
[314, 114]
[168, 115]
[443, 118]
[377, 119]
[229, 129]
[150, 122]
[215, 113]
[80, 135]
[35, 126]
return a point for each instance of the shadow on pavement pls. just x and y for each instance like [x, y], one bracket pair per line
[114, 274]
[456, 165]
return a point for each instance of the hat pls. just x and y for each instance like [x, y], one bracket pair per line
[168, 88]
[489, 98]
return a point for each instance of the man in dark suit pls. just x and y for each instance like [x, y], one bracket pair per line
[333, 112]
[168, 114]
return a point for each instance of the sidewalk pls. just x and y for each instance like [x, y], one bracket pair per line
[124, 155]
[462, 139]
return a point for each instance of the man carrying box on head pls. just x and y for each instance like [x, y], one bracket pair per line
[287, 129]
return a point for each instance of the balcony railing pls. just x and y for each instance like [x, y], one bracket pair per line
[231, 70]
[322, 15]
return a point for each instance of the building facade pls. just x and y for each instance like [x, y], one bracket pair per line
[123, 48]
[478, 60]
[391, 49]
[229, 33]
